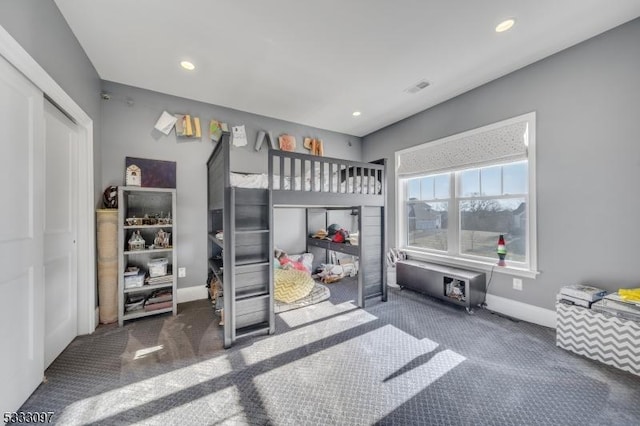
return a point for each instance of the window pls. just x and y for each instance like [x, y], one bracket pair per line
[459, 194]
[427, 212]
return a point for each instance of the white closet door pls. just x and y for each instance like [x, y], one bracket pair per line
[60, 233]
[21, 238]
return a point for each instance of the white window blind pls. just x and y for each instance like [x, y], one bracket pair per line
[496, 143]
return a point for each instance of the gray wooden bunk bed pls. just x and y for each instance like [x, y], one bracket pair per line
[240, 227]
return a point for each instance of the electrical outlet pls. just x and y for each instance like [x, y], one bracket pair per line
[182, 272]
[517, 284]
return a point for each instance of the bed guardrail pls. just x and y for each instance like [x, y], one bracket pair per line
[292, 171]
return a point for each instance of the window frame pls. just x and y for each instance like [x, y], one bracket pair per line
[453, 256]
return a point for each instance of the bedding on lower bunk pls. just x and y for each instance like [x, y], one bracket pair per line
[352, 185]
[319, 293]
[293, 285]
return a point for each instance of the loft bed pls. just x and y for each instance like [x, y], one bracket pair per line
[240, 227]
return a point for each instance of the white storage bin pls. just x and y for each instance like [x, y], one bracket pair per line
[158, 267]
[132, 281]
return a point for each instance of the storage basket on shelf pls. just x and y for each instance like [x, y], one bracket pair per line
[134, 281]
[158, 267]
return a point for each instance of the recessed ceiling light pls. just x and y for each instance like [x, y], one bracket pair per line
[505, 25]
[356, 113]
[187, 65]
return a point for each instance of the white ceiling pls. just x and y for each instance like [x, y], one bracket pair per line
[315, 62]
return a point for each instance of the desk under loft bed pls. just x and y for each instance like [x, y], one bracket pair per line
[240, 227]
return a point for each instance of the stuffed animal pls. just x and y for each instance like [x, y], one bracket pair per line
[337, 234]
[329, 273]
[287, 263]
[110, 197]
[279, 254]
[340, 236]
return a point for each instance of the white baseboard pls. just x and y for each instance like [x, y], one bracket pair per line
[189, 294]
[522, 311]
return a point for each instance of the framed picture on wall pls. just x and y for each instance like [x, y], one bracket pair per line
[154, 173]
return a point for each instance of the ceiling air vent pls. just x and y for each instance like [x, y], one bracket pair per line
[418, 86]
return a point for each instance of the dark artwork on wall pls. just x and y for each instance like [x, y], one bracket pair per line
[154, 173]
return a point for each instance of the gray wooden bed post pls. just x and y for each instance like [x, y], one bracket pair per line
[362, 240]
[228, 255]
[230, 268]
[385, 245]
[272, 315]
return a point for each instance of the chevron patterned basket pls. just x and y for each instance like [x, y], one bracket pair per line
[610, 340]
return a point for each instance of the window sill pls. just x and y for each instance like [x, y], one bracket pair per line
[474, 264]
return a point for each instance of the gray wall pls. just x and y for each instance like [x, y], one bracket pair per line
[127, 123]
[41, 30]
[587, 100]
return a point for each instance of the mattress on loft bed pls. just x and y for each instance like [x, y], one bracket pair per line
[261, 181]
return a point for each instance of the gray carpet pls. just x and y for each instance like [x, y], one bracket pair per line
[411, 360]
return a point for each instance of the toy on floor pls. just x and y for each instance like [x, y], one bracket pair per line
[329, 273]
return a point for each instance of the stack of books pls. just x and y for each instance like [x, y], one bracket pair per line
[580, 295]
[613, 304]
[159, 299]
[164, 279]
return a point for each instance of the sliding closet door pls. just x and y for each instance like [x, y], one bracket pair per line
[21, 238]
[60, 232]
